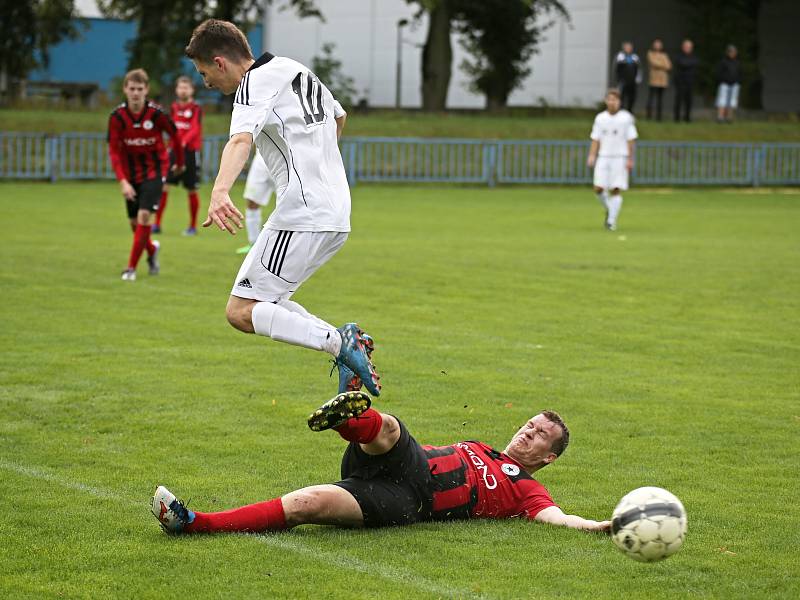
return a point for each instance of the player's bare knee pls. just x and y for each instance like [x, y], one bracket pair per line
[240, 316]
[303, 506]
[598, 190]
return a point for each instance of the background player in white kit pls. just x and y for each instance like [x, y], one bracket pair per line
[290, 115]
[611, 154]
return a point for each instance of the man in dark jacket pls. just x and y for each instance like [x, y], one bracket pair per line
[729, 77]
[628, 68]
[685, 66]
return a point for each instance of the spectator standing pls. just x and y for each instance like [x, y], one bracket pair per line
[629, 73]
[685, 68]
[729, 79]
[658, 68]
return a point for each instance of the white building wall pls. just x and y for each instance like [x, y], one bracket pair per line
[571, 68]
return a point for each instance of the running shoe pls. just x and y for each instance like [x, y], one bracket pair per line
[171, 513]
[152, 259]
[129, 275]
[349, 381]
[353, 355]
[190, 231]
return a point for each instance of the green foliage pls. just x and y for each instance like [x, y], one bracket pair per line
[671, 353]
[329, 71]
[501, 36]
[28, 29]
[712, 25]
[164, 28]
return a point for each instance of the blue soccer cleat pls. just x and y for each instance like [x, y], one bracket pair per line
[170, 512]
[338, 410]
[349, 381]
[155, 228]
[354, 357]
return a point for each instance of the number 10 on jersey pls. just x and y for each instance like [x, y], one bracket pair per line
[309, 98]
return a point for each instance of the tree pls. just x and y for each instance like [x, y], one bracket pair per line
[712, 25]
[164, 28]
[28, 30]
[501, 36]
[437, 52]
[329, 71]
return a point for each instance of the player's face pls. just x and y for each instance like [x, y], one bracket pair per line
[218, 74]
[135, 92]
[531, 444]
[184, 91]
[612, 103]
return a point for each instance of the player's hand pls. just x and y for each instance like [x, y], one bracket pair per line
[176, 170]
[223, 213]
[127, 190]
[603, 527]
[590, 161]
[629, 164]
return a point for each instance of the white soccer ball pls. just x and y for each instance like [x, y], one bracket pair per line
[649, 524]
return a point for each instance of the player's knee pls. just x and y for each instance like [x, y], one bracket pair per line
[239, 317]
[303, 506]
[253, 205]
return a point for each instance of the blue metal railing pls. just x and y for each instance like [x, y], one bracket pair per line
[85, 156]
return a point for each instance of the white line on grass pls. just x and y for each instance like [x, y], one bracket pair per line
[284, 542]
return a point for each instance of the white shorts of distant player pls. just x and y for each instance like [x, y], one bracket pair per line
[610, 172]
[259, 186]
[280, 261]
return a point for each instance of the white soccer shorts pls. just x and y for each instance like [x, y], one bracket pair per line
[280, 261]
[259, 186]
[610, 173]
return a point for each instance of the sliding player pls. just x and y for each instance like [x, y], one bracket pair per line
[388, 479]
[139, 160]
[291, 116]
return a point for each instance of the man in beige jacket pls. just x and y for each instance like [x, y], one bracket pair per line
[658, 68]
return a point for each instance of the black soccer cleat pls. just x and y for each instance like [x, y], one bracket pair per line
[337, 410]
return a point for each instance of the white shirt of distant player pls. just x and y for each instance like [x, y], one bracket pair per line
[291, 116]
[614, 132]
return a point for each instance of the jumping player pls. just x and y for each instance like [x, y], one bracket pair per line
[258, 190]
[139, 160]
[291, 116]
[611, 155]
[188, 118]
[389, 479]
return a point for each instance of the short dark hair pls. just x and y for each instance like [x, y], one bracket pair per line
[137, 76]
[214, 37]
[558, 446]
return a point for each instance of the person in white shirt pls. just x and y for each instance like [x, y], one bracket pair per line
[282, 107]
[611, 155]
[258, 190]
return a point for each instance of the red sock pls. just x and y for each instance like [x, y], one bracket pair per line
[140, 238]
[362, 429]
[161, 206]
[194, 206]
[263, 516]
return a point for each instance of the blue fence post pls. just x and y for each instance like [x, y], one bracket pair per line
[353, 152]
[51, 149]
[489, 162]
[758, 160]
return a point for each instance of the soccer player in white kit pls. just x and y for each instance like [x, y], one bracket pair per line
[611, 155]
[283, 108]
[258, 190]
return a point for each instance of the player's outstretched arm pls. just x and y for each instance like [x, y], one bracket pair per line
[593, 150]
[555, 516]
[221, 210]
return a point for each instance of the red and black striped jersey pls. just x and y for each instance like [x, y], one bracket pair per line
[136, 142]
[473, 480]
[188, 118]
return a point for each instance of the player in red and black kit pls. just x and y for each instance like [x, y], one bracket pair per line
[139, 159]
[188, 118]
[389, 479]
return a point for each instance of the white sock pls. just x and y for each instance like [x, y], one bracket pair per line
[614, 206]
[252, 218]
[284, 325]
[603, 197]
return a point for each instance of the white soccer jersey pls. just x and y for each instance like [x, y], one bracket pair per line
[614, 132]
[291, 115]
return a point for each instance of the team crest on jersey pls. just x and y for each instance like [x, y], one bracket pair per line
[147, 124]
[510, 470]
[187, 114]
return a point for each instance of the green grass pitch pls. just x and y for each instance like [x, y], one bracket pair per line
[671, 347]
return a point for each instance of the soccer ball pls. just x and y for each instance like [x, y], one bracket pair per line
[648, 524]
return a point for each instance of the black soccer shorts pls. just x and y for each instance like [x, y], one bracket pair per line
[392, 488]
[148, 196]
[190, 178]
